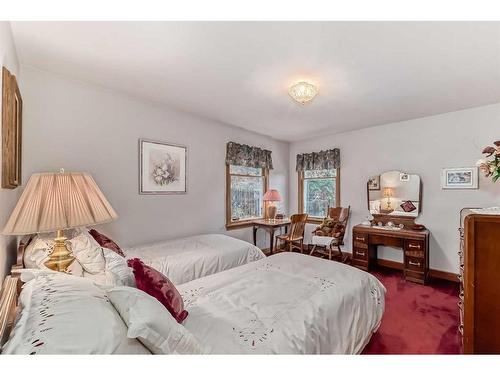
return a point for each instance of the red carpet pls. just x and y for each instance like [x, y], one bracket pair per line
[418, 319]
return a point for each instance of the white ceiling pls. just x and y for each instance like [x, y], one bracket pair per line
[368, 73]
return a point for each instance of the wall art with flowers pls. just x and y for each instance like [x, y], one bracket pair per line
[162, 168]
[490, 164]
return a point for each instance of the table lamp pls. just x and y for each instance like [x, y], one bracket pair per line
[388, 193]
[55, 202]
[270, 197]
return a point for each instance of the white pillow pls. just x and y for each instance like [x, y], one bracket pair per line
[150, 322]
[119, 269]
[64, 314]
[88, 252]
[116, 272]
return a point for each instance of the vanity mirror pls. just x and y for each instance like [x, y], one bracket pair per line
[394, 200]
[394, 193]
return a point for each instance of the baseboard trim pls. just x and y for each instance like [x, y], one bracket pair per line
[443, 275]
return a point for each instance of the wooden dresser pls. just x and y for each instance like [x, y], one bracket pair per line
[480, 282]
[415, 246]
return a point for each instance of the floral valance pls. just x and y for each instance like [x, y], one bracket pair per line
[328, 159]
[248, 156]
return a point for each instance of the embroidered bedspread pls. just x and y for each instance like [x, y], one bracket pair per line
[288, 303]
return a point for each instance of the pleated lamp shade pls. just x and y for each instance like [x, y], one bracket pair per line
[53, 201]
[272, 195]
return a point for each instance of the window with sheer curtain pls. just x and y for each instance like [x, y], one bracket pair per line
[319, 182]
[247, 171]
[318, 191]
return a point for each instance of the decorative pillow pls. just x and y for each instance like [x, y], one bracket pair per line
[38, 251]
[152, 324]
[159, 286]
[408, 206]
[106, 242]
[64, 314]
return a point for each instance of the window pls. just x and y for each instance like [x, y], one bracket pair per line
[318, 190]
[245, 187]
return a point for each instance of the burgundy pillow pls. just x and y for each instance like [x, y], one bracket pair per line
[159, 286]
[106, 242]
[408, 206]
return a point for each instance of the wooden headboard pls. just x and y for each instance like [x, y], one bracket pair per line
[11, 287]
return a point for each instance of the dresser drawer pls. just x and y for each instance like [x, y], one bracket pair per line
[414, 264]
[415, 254]
[360, 240]
[361, 254]
[414, 245]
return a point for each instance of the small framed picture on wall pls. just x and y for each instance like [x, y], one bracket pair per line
[374, 183]
[162, 167]
[460, 178]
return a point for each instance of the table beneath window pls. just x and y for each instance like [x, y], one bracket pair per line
[270, 226]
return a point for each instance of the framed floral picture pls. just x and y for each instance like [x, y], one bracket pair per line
[162, 167]
[374, 183]
[459, 178]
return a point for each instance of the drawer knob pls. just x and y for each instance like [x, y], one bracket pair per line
[411, 246]
[360, 239]
[360, 253]
[414, 263]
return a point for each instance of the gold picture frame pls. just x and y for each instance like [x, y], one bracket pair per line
[12, 109]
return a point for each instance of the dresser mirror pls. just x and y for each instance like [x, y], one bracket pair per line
[394, 193]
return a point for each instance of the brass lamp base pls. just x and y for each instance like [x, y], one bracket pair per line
[271, 212]
[60, 258]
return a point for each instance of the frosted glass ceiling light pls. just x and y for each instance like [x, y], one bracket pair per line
[303, 92]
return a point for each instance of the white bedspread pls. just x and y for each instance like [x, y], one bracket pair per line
[288, 303]
[190, 258]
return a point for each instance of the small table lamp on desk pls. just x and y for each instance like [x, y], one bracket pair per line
[55, 202]
[270, 197]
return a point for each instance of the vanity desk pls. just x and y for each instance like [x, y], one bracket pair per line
[394, 201]
[413, 243]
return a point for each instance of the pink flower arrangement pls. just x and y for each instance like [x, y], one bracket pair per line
[490, 165]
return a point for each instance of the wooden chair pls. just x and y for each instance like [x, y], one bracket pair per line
[341, 215]
[295, 237]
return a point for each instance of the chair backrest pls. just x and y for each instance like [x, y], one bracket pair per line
[342, 215]
[339, 213]
[298, 225]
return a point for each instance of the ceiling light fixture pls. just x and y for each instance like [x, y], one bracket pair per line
[303, 92]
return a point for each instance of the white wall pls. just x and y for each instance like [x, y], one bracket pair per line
[81, 127]
[8, 197]
[422, 146]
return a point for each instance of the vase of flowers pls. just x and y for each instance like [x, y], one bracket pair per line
[490, 164]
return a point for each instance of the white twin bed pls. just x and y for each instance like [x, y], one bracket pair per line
[239, 302]
[189, 258]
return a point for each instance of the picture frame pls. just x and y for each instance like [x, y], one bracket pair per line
[460, 178]
[162, 168]
[12, 109]
[374, 183]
